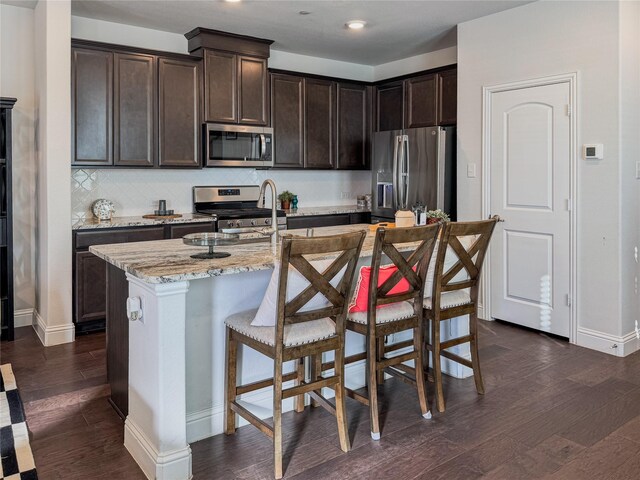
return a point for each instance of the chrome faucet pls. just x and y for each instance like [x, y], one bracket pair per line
[274, 207]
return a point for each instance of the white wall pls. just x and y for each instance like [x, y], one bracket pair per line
[17, 64]
[541, 39]
[53, 149]
[426, 61]
[136, 192]
[629, 156]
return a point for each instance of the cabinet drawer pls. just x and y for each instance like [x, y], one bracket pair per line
[125, 235]
[179, 231]
[314, 221]
[364, 217]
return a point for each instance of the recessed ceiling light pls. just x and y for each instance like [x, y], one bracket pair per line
[304, 12]
[356, 24]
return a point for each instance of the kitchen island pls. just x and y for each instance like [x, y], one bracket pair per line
[173, 390]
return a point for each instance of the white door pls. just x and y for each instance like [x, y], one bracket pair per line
[530, 174]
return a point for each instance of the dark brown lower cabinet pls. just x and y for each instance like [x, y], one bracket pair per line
[117, 339]
[90, 272]
[316, 221]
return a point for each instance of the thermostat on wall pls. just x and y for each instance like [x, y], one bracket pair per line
[593, 151]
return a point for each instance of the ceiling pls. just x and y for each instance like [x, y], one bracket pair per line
[394, 30]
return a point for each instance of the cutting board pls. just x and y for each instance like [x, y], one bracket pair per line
[161, 217]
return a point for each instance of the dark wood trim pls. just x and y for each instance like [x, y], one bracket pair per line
[200, 38]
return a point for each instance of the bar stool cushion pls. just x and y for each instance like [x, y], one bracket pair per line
[385, 314]
[295, 334]
[455, 298]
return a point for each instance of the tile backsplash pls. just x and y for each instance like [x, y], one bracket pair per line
[137, 191]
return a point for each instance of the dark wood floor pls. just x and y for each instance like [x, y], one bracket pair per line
[551, 410]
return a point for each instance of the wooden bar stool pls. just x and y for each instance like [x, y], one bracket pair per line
[298, 333]
[455, 293]
[398, 312]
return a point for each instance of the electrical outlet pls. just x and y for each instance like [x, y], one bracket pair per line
[345, 195]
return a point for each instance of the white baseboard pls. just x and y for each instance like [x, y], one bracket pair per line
[23, 317]
[175, 465]
[611, 344]
[55, 334]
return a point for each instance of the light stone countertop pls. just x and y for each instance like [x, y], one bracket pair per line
[122, 222]
[165, 261]
[331, 210]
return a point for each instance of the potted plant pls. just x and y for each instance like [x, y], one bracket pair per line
[285, 199]
[435, 216]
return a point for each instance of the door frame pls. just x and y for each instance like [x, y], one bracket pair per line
[487, 91]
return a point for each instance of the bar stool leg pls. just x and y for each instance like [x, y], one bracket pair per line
[372, 365]
[230, 394]
[475, 359]
[277, 420]
[437, 368]
[341, 413]
[299, 402]
[316, 373]
[380, 356]
[420, 380]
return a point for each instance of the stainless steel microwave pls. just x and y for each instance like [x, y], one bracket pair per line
[238, 146]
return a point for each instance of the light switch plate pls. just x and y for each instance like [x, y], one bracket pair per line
[471, 170]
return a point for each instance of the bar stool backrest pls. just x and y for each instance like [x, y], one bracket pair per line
[293, 252]
[470, 257]
[411, 264]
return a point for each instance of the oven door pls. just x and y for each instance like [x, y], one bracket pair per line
[237, 146]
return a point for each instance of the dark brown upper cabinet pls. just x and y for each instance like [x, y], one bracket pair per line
[287, 120]
[320, 123]
[253, 98]
[447, 97]
[422, 101]
[92, 107]
[134, 110]
[352, 126]
[389, 106]
[221, 87]
[236, 77]
[178, 112]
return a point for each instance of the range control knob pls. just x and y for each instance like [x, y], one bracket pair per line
[267, 221]
[238, 223]
[253, 223]
[229, 223]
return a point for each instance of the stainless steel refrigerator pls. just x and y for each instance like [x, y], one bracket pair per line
[413, 166]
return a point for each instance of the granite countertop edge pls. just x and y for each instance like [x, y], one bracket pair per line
[138, 221]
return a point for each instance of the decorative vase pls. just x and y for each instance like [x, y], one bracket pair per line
[103, 209]
[432, 220]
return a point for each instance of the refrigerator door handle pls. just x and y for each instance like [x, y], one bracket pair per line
[396, 184]
[405, 169]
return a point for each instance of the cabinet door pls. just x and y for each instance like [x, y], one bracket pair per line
[352, 126]
[287, 120]
[252, 92]
[91, 107]
[134, 116]
[221, 87]
[390, 106]
[178, 113]
[179, 231]
[320, 123]
[91, 284]
[422, 101]
[316, 221]
[447, 97]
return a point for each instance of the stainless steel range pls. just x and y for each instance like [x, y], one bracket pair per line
[236, 210]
